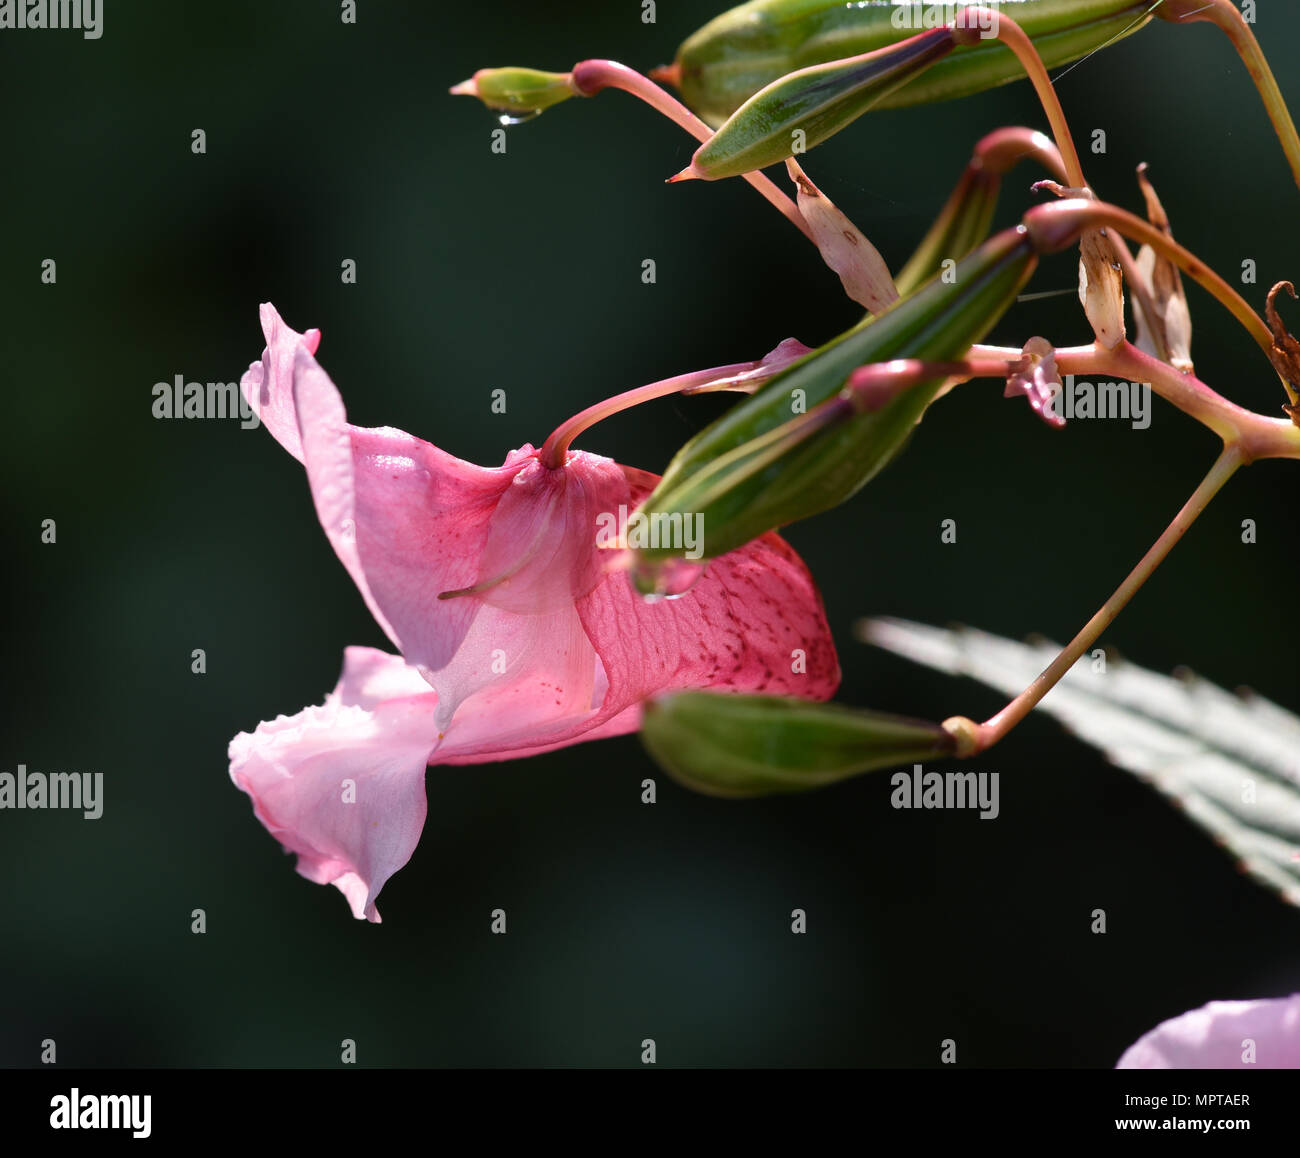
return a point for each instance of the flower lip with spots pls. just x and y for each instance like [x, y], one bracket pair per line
[514, 635]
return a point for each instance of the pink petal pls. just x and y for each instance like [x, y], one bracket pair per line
[740, 628]
[1039, 380]
[264, 383]
[1217, 1036]
[376, 729]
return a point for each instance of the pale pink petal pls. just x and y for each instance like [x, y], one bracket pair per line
[515, 543]
[267, 385]
[1222, 1035]
[526, 650]
[376, 729]
[342, 785]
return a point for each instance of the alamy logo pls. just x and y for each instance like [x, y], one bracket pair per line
[1075, 399]
[181, 399]
[87, 15]
[78, 1111]
[658, 531]
[921, 789]
[914, 15]
[82, 791]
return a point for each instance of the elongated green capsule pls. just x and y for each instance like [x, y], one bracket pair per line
[804, 108]
[733, 56]
[761, 466]
[734, 745]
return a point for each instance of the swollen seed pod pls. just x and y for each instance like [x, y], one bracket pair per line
[736, 745]
[740, 52]
[799, 446]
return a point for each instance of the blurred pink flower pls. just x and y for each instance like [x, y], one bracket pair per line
[1223, 1035]
[514, 637]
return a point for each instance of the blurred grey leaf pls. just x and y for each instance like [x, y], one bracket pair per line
[1231, 762]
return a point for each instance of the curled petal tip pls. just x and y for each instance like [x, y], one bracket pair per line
[465, 88]
[687, 174]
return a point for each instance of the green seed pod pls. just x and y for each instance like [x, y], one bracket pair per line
[736, 745]
[804, 108]
[794, 449]
[740, 52]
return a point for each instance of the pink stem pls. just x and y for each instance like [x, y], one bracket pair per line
[1015, 38]
[556, 448]
[973, 738]
[1257, 435]
[590, 76]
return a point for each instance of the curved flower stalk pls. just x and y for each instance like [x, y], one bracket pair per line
[1223, 1035]
[517, 632]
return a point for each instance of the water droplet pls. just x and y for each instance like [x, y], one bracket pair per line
[519, 118]
[655, 579]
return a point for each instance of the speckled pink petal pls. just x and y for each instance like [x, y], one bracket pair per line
[1222, 1035]
[753, 623]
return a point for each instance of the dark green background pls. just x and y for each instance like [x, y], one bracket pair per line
[479, 271]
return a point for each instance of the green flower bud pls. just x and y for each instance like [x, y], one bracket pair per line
[520, 92]
[737, 745]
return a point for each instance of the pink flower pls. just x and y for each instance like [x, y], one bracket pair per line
[515, 636]
[1262, 1034]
